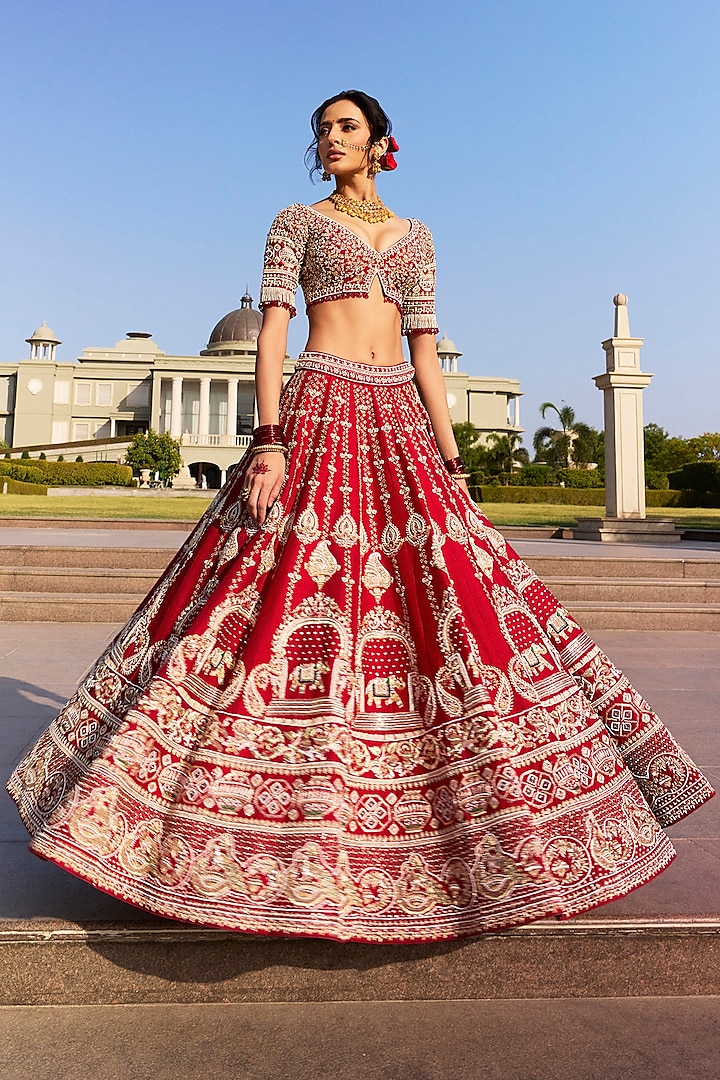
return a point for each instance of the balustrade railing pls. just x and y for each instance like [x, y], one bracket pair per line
[189, 439]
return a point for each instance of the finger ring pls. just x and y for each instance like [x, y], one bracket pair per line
[244, 494]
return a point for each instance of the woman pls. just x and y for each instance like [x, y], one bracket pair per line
[348, 709]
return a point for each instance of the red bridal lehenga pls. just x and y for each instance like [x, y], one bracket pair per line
[367, 719]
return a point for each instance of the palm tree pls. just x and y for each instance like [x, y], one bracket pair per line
[547, 439]
[507, 451]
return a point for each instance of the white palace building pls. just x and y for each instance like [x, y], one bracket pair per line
[93, 406]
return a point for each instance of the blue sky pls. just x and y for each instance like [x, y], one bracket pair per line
[561, 151]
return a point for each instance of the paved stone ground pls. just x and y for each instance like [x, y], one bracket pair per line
[117, 536]
[589, 1039]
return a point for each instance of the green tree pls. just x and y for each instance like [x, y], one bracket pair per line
[572, 443]
[472, 451]
[665, 453]
[160, 453]
[706, 447]
[505, 452]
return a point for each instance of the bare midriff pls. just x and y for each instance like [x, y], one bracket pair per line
[364, 330]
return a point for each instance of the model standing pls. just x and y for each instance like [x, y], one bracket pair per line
[347, 709]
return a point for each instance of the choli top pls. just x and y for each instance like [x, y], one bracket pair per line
[331, 262]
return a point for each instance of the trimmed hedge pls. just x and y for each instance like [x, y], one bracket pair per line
[18, 487]
[73, 473]
[697, 476]
[587, 496]
[555, 495]
[547, 476]
[16, 470]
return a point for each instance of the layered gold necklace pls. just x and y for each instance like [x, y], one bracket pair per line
[372, 211]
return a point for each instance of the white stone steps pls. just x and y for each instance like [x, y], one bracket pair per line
[614, 615]
[89, 580]
[135, 558]
[639, 590]
[67, 607]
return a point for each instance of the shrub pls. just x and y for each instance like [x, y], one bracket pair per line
[42, 456]
[582, 478]
[657, 497]
[84, 474]
[30, 474]
[67, 473]
[656, 479]
[535, 476]
[18, 487]
[697, 476]
[587, 496]
[25, 454]
[79, 457]
[554, 495]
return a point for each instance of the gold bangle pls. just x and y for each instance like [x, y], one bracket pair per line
[460, 475]
[270, 448]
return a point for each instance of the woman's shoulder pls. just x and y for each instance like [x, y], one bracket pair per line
[419, 226]
[295, 213]
[421, 233]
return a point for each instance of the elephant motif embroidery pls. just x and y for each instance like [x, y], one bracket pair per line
[383, 690]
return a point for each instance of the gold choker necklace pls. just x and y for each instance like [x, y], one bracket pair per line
[372, 212]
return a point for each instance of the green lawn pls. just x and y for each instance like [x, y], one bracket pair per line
[546, 514]
[179, 509]
[118, 507]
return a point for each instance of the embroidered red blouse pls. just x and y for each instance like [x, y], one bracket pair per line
[330, 262]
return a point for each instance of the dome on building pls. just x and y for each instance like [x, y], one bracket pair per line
[44, 335]
[445, 345]
[237, 327]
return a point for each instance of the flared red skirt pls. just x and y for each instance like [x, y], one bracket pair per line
[367, 719]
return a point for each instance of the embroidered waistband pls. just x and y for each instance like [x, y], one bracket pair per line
[373, 374]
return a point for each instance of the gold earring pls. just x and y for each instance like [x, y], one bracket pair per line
[374, 168]
[326, 175]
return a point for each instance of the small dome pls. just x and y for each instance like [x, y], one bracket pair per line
[44, 336]
[243, 324]
[445, 345]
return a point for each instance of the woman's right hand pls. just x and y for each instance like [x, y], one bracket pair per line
[263, 480]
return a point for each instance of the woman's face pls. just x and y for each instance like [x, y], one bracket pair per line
[343, 139]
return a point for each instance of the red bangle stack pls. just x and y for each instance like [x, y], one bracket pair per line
[267, 434]
[268, 437]
[456, 467]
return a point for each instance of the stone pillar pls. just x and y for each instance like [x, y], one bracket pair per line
[176, 407]
[622, 384]
[204, 417]
[232, 404]
[112, 427]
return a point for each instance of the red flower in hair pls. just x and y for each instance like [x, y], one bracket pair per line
[387, 161]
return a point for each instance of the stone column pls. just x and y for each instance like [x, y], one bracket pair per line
[622, 384]
[176, 407]
[204, 417]
[232, 404]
